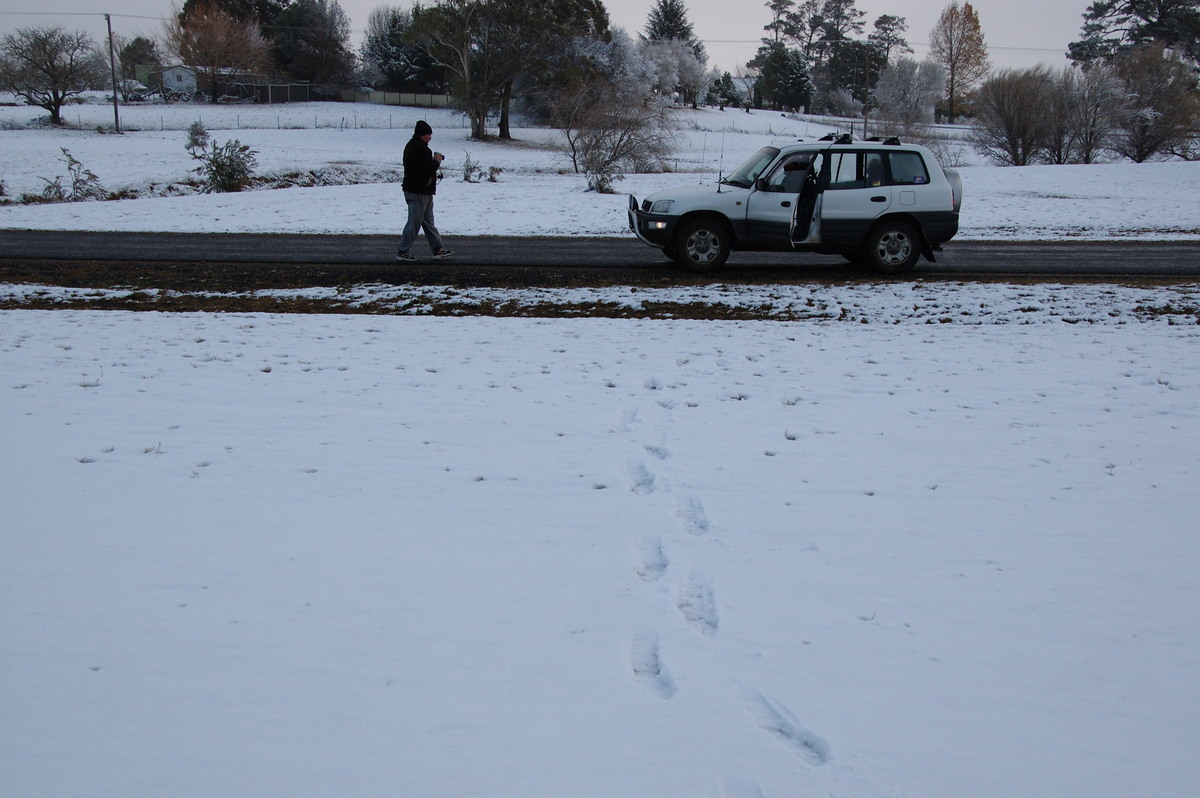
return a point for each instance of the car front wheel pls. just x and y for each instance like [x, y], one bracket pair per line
[702, 245]
[892, 247]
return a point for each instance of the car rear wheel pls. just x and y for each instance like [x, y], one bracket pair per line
[702, 245]
[892, 247]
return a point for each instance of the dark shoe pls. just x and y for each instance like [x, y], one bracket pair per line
[405, 257]
[442, 253]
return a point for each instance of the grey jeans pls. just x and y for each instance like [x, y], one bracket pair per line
[420, 215]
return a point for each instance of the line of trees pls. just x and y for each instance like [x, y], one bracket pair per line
[1131, 92]
[819, 55]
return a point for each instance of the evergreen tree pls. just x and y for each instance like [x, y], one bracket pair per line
[311, 42]
[726, 91]
[783, 21]
[783, 80]
[668, 20]
[404, 66]
[855, 67]
[888, 36]
[1111, 27]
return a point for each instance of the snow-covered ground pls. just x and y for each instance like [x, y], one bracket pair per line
[537, 194]
[345, 555]
[933, 540]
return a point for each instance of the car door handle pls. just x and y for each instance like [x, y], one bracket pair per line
[785, 204]
[878, 199]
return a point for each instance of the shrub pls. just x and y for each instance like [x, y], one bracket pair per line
[224, 167]
[84, 185]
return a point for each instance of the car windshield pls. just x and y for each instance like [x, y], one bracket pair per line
[745, 175]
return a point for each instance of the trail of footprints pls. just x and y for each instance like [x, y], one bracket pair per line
[695, 599]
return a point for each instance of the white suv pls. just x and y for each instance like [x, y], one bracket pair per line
[883, 203]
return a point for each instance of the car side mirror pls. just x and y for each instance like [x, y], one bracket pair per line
[761, 184]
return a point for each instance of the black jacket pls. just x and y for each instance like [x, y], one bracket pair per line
[420, 168]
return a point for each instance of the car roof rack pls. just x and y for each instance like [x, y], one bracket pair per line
[844, 138]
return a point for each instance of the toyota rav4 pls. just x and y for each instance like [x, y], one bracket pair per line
[881, 203]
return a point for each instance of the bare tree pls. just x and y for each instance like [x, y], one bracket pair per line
[1061, 130]
[1011, 114]
[216, 46]
[746, 77]
[457, 35]
[1098, 101]
[956, 42]
[47, 66]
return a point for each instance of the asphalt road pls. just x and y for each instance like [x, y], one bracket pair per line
[545, 261]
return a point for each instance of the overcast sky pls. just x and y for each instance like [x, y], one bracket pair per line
[1019, 32]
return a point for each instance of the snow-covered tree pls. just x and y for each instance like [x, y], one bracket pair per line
[907, 92]
[610, 118]
[402, 65]
[1162, 108]
[668, 20]
[784, 82]
[676, 69]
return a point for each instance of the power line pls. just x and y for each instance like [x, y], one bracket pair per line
[990, 47]
[73, 14]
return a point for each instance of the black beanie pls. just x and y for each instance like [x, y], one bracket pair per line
[423, 129]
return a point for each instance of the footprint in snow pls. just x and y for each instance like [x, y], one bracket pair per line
[648, 667]
[641, 480]
[653, 560]
[658, 452]
[775, 718]
[691, 513]
[697, 605]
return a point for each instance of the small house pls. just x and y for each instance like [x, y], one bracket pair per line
[179, 78]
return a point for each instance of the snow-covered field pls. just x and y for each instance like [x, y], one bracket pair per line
[933, 541]
[345, 555]
[535, 195]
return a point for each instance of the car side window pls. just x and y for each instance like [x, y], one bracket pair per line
[845, 171]
[788, 176]
[908, 169]
[874, 169]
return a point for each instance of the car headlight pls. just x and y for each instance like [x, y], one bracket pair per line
[662, 206]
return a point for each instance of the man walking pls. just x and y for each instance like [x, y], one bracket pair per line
[420, 184]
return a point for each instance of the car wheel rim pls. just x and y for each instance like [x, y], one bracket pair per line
[703, 246]
[894, 247]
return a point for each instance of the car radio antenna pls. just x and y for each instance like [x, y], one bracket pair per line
[721, 164]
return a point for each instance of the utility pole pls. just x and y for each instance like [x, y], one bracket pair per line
[112, 65]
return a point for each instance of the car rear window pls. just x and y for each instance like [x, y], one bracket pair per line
[908, 169]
